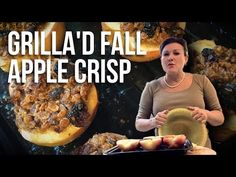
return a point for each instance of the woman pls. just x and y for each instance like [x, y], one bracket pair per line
[177, 89]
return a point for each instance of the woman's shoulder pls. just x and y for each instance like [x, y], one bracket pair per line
[154, 84]
[200, 79]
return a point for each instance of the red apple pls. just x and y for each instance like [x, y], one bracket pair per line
[174, 141]
[168, 140]
[180, 139]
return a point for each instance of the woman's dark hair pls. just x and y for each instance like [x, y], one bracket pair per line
[171, 40]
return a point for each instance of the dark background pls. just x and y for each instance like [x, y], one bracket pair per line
[118, 103]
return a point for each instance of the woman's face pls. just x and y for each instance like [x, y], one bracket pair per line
[173, 58]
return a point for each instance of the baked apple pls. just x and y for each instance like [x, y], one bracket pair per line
[151, 143]
[128, 144]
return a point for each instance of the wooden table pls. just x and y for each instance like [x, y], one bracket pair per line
[200, 150]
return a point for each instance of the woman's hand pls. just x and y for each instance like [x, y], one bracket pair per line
[160, 118]
[199, 114]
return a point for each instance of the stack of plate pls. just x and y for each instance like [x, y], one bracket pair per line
[180, 121]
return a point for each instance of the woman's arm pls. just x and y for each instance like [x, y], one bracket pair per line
[213, 113]
[144, 125]
[214, 117]
[143, 121]
[155, 122]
